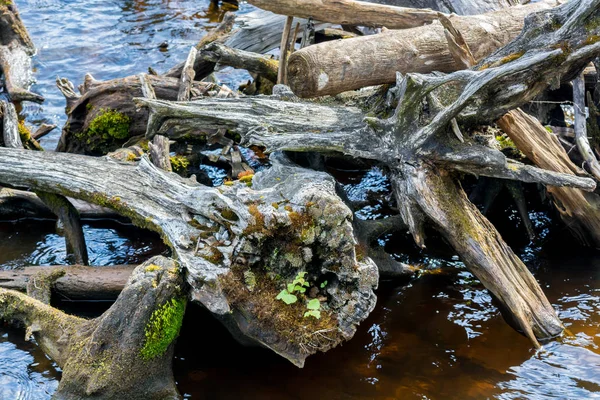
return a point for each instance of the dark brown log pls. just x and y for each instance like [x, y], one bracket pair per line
[334, 67]
[77, 283]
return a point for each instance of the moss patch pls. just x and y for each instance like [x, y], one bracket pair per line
[163, 328]
[179, 164]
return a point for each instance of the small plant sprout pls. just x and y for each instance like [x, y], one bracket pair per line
[298, 285]
[314, 309]
[323, 284]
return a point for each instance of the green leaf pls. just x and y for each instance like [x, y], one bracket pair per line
[289, 298]
[290, 287]
[313, 313]
[301, 289]
[301, 274]
[306, 284]
[314, 304]
[323, 285]
[281, 294]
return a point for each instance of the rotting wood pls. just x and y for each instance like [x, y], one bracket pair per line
[414, 144]
[218, 233]
[134, 337]
[580, 210]
[321, 70]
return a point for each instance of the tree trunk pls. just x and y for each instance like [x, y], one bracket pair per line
[334, 67]
[233, 238]
[127, 352]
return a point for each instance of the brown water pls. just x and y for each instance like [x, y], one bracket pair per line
[438, 337]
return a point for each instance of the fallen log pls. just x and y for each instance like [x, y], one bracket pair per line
[334, 67]
[350, 12]
[78, 282]
[127, 352]
[103, 117]
[231, 238]
[16, 49]
[420, 154]
[580, 210]
[460, 7]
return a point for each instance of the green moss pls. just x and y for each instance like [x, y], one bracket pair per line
[24, 132]
[163, 327]
[505, 142]
[215, 256]
[229, 215]
[110, 124]
[179, 163]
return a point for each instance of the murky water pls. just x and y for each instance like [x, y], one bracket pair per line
[439, 337]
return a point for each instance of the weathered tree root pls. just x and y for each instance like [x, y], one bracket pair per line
[127, 352]
[416, 148]
[290, 221]
[16, 48]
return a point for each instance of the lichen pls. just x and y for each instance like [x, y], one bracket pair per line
[163, 327]
[152, 268]
[24, 132]
[179, 164]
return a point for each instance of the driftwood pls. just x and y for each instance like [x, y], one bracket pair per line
[16, 48]
[580, 210]
[103, 117]
[289, 221]
[127, 352]
[419, 154]
[76, 282]
[350, 12]
[461, 7]
[334, 67]
[59, 205]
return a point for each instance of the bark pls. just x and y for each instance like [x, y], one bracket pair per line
[325, 69]
[461, 7]
[415, 146]
[76, 283]
[289, 221]
[579, 210]
[218, 53]
[580, 126]
[127, 352]
[350, 12]
[103, 118]
[16, 48]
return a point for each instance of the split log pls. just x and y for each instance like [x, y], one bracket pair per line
[233, 239]
[579, 210]
[16, 49]
[103, 118]
[419, 153]
[77, 282]
[334, 67]
[127, 352]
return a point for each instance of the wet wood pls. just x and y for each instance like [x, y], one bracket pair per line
[77, 283]
[318, 71]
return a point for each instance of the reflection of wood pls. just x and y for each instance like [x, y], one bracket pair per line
[334, 67]
[579, 210]
[78, 283]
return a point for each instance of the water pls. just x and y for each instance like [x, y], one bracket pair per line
[439, 337]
